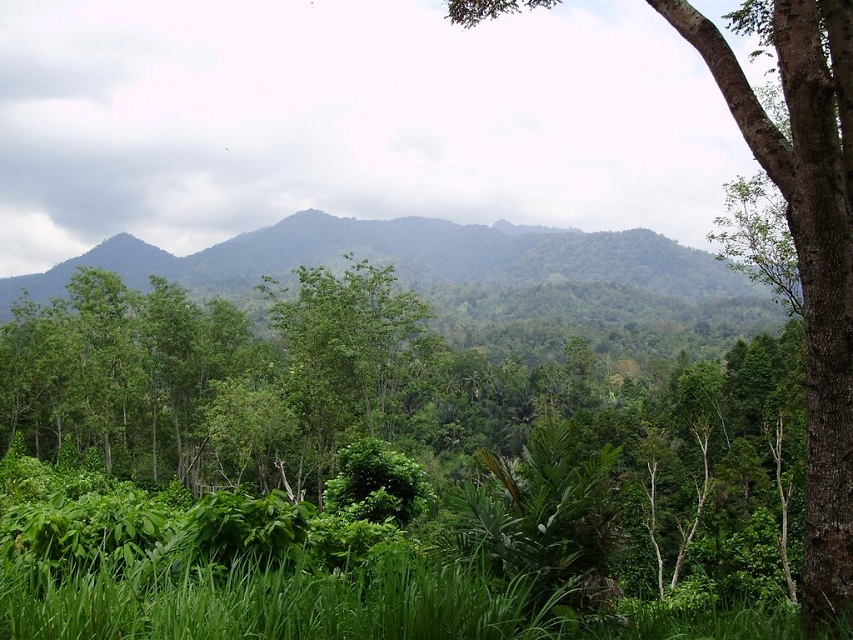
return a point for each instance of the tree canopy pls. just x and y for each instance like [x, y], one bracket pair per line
[813, 170]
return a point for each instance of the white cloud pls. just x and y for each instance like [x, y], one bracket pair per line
[187, 123]
[33, 243]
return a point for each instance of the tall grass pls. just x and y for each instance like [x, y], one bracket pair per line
[659, 622]
[402, 598]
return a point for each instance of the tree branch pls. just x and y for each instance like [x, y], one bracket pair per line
[770, 147]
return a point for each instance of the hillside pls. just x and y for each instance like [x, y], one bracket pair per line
[427, 253]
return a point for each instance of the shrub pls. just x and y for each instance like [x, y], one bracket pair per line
[377, 484]
[225, 527]
[339, 543]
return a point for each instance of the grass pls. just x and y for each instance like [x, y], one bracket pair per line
[400, 598]
[406, 598]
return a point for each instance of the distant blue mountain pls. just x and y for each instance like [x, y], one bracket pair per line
[425, 252]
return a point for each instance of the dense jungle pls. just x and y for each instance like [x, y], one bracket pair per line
[347, 459]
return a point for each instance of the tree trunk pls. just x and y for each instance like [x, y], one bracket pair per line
[820, 225]
[702, 494]
[815, 175]
[182, 472]
[108, 453]
[651, 494]
[154, 444]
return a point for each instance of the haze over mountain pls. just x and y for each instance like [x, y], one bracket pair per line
[425, 252]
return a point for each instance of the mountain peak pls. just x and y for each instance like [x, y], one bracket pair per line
[507, 227]
[123, 242]
[427, 251]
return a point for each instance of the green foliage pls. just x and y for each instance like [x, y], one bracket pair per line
[756, 240]
[68, 459]
[377, 484]
[245, 420]
[742, 480]
[119, 526]
[225, 527]
[346, 335]
[176, 496]
[744, 566]
[338, 542]
[555, 519]
[25, 479]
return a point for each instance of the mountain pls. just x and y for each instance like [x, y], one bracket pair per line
[426, 253]
[515, 229]
[133, 259]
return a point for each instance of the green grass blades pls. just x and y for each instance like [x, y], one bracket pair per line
[395, 597]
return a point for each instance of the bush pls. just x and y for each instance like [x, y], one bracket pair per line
[225, 527]
[377, 484]
[120, 526]
[338, 543]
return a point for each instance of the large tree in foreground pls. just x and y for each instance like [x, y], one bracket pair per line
[813, 40]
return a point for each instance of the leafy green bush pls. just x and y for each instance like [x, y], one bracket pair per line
[340, 543]
[175, 496]
[26, 479]
[225, 527]
[120, 526]
[745, 565]
[377, 484]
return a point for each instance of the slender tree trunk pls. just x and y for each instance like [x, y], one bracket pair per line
[651, 494]
[702, 496]
[182, 472]
[784, 501]
[58, 422]
[108, 453]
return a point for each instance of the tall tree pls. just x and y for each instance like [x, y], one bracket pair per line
[755, 237]
[109, 359]
[814, 173]
[21, 382]
[171, 325]
[347, 339]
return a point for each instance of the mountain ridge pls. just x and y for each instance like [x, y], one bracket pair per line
[425, 252]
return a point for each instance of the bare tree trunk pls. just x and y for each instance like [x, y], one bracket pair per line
[108, 453]
[295, 496]
[651, 494]
[703, 439]
[785, 501]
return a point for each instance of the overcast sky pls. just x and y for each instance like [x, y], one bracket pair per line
[188, 122]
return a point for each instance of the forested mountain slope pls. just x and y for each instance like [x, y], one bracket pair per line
[427, 254]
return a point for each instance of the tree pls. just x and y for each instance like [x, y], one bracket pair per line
[755, 236]
[109, 359]
[757, 239]
[170, 328]
[553, 517]
[376, 484]
[22, 379]
[347, 339]
[814, 173]
[656, 453]
[244, 420]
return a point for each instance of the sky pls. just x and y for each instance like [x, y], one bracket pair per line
[187, 123]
